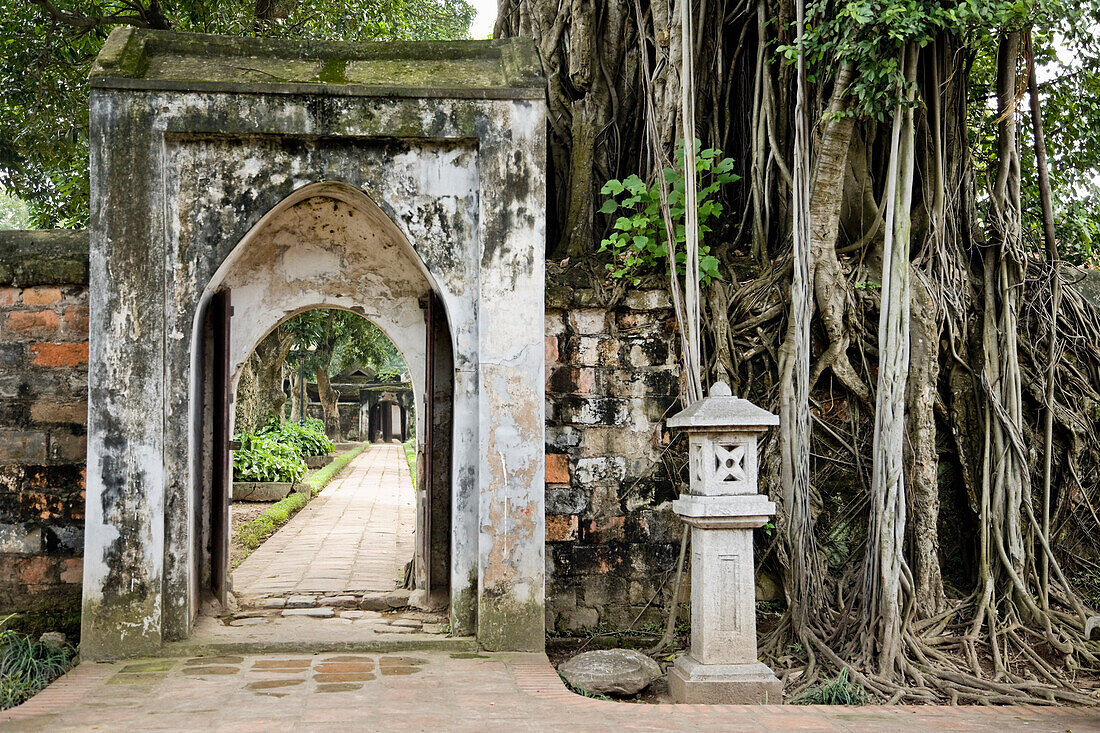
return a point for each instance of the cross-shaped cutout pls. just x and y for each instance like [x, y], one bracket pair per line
[730, 463]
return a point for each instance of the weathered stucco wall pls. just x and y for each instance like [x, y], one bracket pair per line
[43, 412]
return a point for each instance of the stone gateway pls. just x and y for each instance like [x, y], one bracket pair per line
[237, 182]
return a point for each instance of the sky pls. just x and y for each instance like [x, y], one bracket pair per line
[486, 16]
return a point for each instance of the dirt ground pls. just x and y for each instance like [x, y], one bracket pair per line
[239, 513]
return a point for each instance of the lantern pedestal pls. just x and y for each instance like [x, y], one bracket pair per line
[722, 667]
[722, 509]
[694, 683]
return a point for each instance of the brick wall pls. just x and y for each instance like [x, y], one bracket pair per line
[612, 376]
[43, 413]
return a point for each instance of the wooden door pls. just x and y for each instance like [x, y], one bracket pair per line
[221, 312]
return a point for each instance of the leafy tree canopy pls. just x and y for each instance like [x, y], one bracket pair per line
[337, 341]
[47, 46]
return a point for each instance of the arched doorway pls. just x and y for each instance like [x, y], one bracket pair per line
[330, 246]
[446, 165]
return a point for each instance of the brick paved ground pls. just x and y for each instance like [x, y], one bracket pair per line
[355, 536]
[437, 691]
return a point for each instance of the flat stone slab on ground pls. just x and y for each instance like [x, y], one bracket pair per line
[398, 598]
[610, 671]
[301, 602]
[326, 612]
[249, 621]
[374, 602]
[407, 623]
[261, 490]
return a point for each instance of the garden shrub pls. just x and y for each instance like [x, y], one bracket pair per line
[308, 437]
[262, 458]
[27, 666]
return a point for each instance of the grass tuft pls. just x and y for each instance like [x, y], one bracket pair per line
[28, 666]
[410, 458]
[837, 691]
[252, 533]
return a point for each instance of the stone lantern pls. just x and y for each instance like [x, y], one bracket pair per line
[722, 508]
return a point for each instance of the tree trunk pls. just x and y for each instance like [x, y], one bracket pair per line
[826, 199]
[260, 397]
[328, 398]
[922, 459]
[803, 581]
[1050, 239]
[1005, 463]
[296, 411]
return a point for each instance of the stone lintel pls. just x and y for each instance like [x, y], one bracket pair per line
[691, 682]
[140, 59]
[743, 511]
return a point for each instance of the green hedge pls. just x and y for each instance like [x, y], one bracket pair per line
[262, 458]
[309, 437]
[252, 533]
[410, 458]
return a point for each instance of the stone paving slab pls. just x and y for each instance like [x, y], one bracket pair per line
[435, 691]
[356, 536]
[342, 629]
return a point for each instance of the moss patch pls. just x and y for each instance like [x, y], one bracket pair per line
[35, 623]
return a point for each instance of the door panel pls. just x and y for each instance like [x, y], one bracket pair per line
[221, 312]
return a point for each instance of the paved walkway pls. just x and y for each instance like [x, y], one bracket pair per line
[438, 691]
[355, 536]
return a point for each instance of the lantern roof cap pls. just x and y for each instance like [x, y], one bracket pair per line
[722, 410]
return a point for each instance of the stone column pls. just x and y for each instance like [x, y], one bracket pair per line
[722, 508]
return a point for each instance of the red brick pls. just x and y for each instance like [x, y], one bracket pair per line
[33, 570]
[551, 350]
[64, 446]
[561, 527]
[41, 296]
[586, 380]
[76, 321]
[45, 506]
[36, 324]
[22, 446]
[602, 531]
[8, 297]
[557, 468]
[48, 411]
[59, 355]
[76, 502]
[72, 570]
